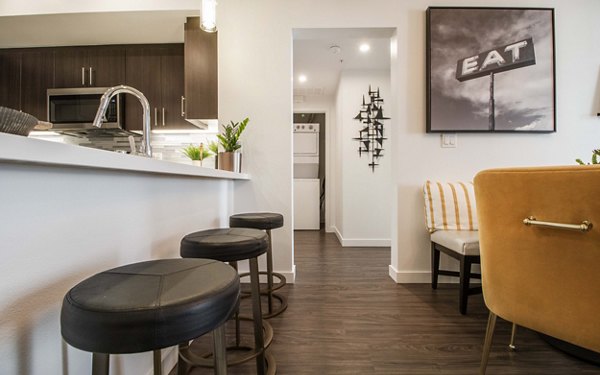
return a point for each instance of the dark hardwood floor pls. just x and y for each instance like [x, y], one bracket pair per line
[346, 316]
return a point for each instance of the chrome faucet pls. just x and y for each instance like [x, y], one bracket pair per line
[105, 100]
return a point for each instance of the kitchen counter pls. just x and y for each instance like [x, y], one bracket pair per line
[68, 212]
[19, 149]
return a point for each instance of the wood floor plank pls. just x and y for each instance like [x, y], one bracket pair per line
[346, 316]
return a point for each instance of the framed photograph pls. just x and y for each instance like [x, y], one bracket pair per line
[490, 70]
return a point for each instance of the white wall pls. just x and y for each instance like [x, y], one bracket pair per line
[61, 225]
[365, 194]
[255, 79]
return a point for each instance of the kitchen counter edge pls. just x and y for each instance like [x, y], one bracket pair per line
[20, 149]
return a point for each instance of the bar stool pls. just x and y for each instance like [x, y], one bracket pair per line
[148, 306]
[231, 245]
[265, 221]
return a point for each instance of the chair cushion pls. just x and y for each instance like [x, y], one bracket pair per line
[149, 305]
[258, 220]
[463, 242]
[450, 206]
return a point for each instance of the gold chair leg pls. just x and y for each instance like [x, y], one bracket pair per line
[487, 345]
[512, 337]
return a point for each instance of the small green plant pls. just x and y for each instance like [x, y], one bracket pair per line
[197, 152]
[213, 146]
[595, 156]
[230, 137]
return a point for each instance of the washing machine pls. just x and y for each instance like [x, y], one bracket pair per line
[306, 177]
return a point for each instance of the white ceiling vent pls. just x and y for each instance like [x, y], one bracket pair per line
[299, 98]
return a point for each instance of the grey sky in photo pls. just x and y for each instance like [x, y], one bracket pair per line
[523, 96]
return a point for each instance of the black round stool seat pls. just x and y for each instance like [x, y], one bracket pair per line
[149, 305]
[258, 220]
[225, 244]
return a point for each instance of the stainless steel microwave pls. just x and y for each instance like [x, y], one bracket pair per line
[74, 109]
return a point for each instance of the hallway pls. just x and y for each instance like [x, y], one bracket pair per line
[346, 316]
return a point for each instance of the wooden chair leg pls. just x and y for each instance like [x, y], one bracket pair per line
[487, 345]
[435, 266]
[465, 278]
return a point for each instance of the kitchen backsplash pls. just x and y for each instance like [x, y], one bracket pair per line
[165, 146]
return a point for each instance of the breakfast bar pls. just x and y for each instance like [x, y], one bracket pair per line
[68, 212]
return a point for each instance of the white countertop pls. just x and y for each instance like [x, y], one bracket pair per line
[20, 149]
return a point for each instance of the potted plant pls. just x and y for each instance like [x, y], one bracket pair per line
[595, 158]
[231, 159]
[213, 146]
[196, 153]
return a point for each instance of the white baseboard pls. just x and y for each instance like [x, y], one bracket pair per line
[361, 242]
[290, 276]
[409, 277]
[421, 277]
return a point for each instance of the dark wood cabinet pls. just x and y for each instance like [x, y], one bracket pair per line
[157, 71]
[102, 66]
[37, 75]
[173, 84]
[164, 73]
[201, 84]
[10, 79]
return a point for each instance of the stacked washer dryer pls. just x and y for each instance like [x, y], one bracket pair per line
[306, 177]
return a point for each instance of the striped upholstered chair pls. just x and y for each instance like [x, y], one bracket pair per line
[451, 219]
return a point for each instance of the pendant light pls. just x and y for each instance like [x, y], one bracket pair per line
[208, 19]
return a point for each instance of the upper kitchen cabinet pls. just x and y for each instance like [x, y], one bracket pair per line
[37, 75]
[10, 79]
[101, 66]
[157, 71]
[201, 85]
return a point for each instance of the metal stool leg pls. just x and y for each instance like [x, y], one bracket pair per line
[238, 338]
[270, 272]
[157, 362]
[100, 363]
[257, 316]
[219, 350]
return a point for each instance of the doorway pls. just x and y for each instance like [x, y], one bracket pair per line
[334, 70]
[309, 170]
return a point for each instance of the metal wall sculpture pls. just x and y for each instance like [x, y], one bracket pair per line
[371, 136]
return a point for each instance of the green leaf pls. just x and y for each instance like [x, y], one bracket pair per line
[580, 161]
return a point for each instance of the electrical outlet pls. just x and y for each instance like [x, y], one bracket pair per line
[449, 140]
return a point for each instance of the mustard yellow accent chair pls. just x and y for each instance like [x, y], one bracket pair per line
[540, 251]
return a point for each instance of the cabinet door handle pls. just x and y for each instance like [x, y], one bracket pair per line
[82, 76]
[91, 77]
[182, 106]
[155, 116]
[163, 116]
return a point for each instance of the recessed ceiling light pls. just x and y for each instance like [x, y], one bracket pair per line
[302, 78]
[364, 47]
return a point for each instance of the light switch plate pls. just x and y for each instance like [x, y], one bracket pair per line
[448, 140]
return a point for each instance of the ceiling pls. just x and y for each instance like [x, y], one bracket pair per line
[93, 28]
[314, 57]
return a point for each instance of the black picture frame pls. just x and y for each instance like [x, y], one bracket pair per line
[513, 47]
